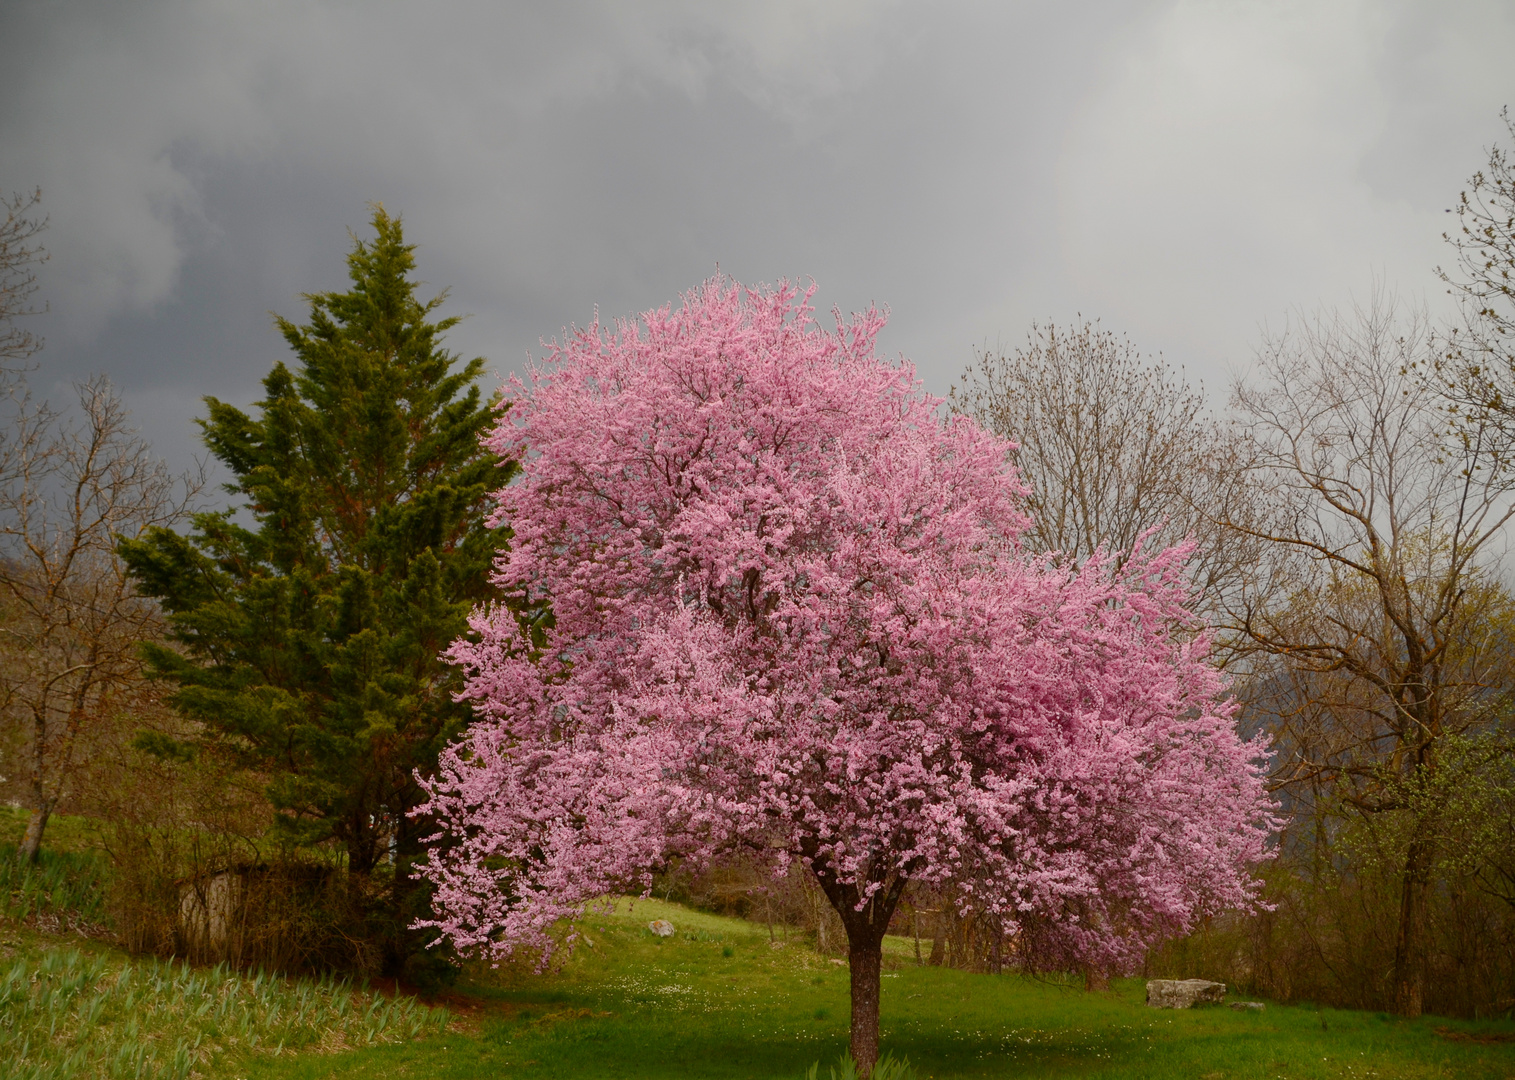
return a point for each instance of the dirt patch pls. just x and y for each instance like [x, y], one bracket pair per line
[1485, 1038]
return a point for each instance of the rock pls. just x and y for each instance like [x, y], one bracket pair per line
[1184, 993]
[661, 927]
[1247, 1006]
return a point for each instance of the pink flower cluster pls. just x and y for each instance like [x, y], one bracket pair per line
[793, 616]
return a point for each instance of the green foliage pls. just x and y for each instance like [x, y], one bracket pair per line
[164, 747]
[67, 885]
[65, 832]
[886, 1068]
[307, 643]
[1336, 891]
[66, 1013]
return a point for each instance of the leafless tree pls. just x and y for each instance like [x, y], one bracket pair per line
[1113, 445]
[1475, 369]
[1376, 618]
[70, 622]
[20, 255]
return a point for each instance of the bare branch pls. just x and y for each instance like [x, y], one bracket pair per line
[70, 484]
[1112, 446]
[1377, 635]
[20, 255]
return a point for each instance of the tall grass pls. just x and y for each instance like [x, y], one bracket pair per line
[60, 883]
[887, 1067]
[66, 1014]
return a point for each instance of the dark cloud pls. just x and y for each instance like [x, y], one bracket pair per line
[1187, 171]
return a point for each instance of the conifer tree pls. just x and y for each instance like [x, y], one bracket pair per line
[309, 637]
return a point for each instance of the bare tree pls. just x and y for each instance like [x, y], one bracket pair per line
[1476, 367]
[1377, 606]
[20, 255]
[70, 621]
[1112, 445]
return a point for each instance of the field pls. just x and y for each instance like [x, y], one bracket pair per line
[716, 1000]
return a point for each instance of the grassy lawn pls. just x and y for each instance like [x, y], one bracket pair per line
[65, 832]
[717, 1001]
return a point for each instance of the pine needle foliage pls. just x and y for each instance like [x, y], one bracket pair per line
[308, 621]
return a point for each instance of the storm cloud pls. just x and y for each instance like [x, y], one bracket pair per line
[1187, 172]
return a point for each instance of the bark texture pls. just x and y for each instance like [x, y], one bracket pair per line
[866, 923]
[865, 961]
[31, 843]
[1410, 941]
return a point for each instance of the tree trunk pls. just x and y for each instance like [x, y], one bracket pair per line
[409, 899]
[361, 839]
[1410, 942]
[42, 806]
[31, 843]
[938, 938]
[865, 959]
[866, 924]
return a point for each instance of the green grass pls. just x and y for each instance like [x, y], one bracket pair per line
[87, 1011]
[64, 833]
[72, 1007]
[716, 1000]
[66, 885]
[635, 1006]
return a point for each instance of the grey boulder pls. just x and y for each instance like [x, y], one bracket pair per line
[1184, 993]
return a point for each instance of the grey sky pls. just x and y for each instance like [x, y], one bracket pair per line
[1186, 171]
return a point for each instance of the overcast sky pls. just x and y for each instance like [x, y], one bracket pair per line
[1187, 172]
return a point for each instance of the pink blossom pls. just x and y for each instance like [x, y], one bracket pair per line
[793, 616]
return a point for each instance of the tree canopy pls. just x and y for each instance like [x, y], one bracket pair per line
[794, 616]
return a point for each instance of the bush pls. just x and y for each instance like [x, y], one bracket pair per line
[1330, 940]
[201, 870]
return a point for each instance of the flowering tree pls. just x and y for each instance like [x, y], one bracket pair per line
[792, 615]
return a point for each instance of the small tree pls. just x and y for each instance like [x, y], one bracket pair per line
[71, 623]
[793, 616]
[309, 644]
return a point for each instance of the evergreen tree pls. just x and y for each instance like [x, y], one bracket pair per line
[310, 642]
